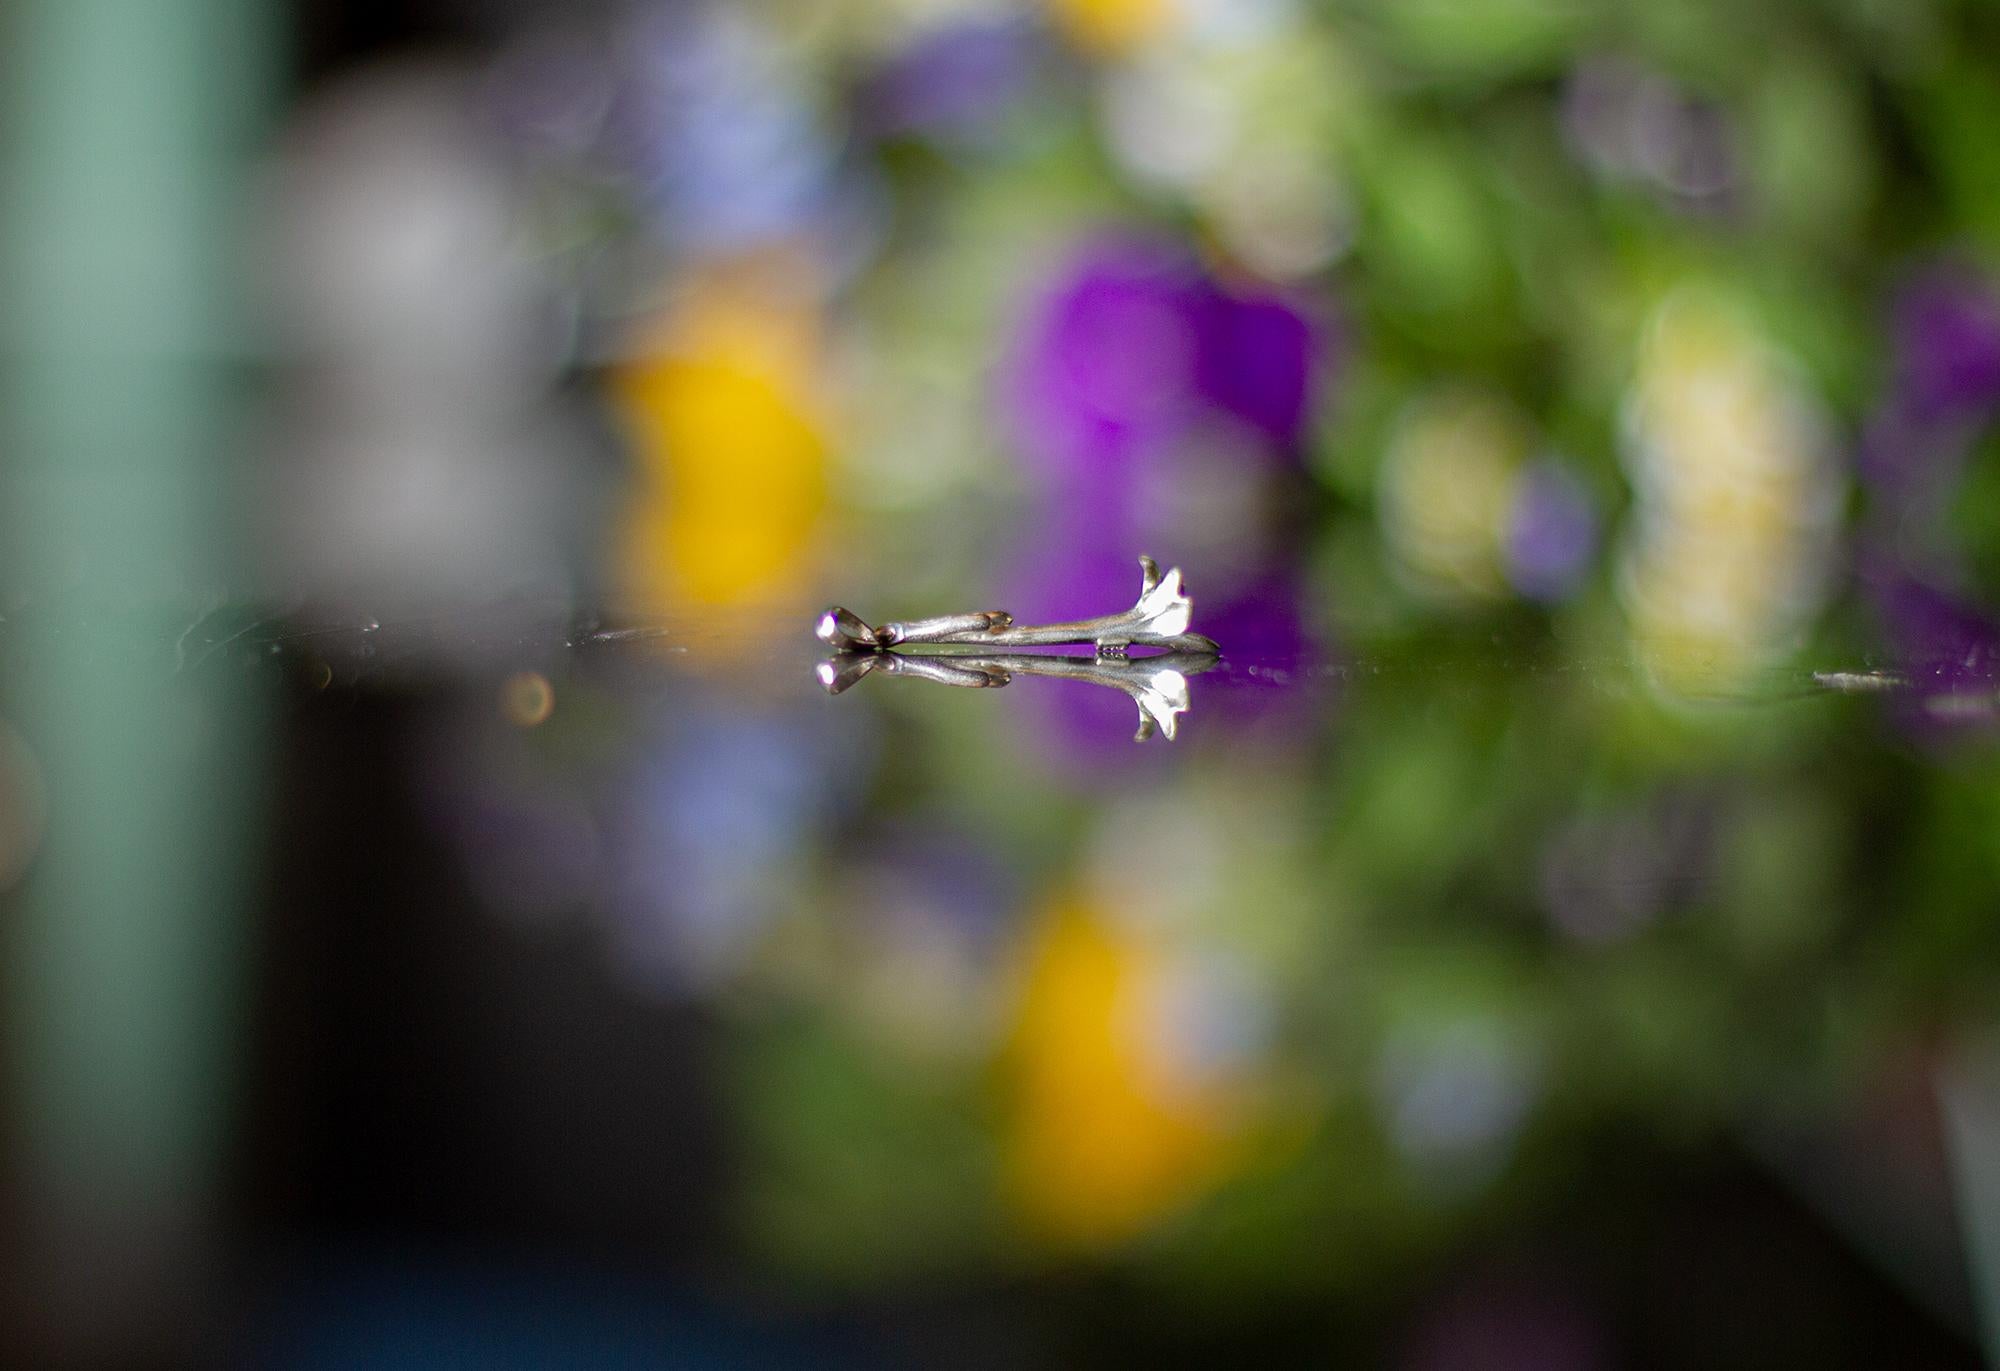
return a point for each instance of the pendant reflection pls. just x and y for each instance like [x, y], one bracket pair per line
[1158, 685]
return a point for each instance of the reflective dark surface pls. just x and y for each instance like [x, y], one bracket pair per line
[617, 937]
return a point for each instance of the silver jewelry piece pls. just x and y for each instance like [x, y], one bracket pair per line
[1158, 685]
[1159, 619]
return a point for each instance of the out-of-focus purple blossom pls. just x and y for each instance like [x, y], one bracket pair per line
[1062, 575]
[954, 81]
[1263, 618]
[1255, 359]
[1902, 455]
[1105, 368]
[933, 917]
[1265, 686]
[1552, 532]
[725, 152]
[1945, 383]
[1159, 410]
[1947, 648]
[1946, 326]
[1938, 634]
[1687, 147]
[1257, 610]
[1629, 123]
[1134, 345]
[714, 807]
[948, 878]
[1945, 341]
[1595, 111]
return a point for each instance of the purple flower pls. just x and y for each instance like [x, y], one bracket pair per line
[1594, 112]
[1945, 341]
[1941, 641]
[1160, 410]
[1105, 368]
[945, 878]
[1133, 347]
[1254, 360]
[954, 81]
[1066, 574]
[1553, 533]
[1944, 645]
[1902, 455]
[1946, 325]
[1630, 124]
[1262, 617]
[723, 152]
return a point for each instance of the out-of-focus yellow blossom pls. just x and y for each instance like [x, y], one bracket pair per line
[1109, 27]
[1107, 1135]
[1447, 490]
[1737, 495]
[724, 399]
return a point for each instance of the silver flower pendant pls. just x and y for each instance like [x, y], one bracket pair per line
[1159, 619]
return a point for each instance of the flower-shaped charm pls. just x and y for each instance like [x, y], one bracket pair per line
[1159, 619]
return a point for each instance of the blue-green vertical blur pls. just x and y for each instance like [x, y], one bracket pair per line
[129, 126]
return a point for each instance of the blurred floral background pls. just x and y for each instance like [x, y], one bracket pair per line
[445, 918]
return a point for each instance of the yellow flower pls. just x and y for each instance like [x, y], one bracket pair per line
[723, 402]
[1111, 27]
[1106, 1135]
[1737, 497]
